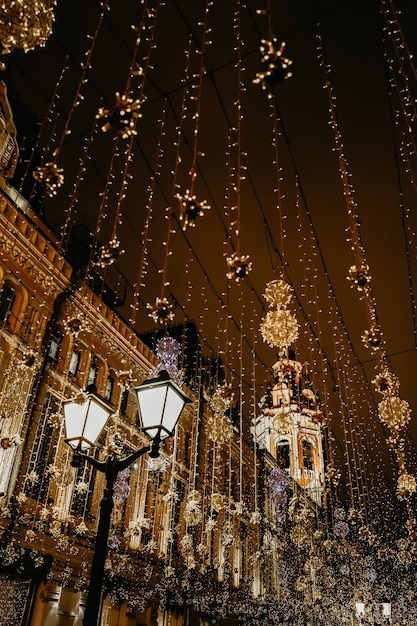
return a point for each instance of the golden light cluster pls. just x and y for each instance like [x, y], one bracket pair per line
[279, 328]
[121, 117]
[51, 177]
[25, 24]
[394, 412]
[190, 209]
[161, 311]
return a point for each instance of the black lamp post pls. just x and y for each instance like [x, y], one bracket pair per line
[160, 403]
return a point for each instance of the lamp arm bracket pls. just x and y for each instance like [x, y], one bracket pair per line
[124, 463]
[99, 465]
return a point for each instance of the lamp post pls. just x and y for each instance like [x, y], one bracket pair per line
[160, 403]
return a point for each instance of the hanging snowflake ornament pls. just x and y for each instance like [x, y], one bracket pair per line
[372, 338]
[190, 209]
[394, 412]
[239, 266]
[121, 117]
[51, 177]
[219, 428]
[162, 311]
[110, 253]
[359, 276]
[279, 328]
[275, 66]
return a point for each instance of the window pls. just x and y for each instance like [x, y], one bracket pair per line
[54, 346]
[74, 362]
[92, 374]
[124, 401]
[283, 454]
[109, 388]
[7, 297]
[43, 451]
[308, 461]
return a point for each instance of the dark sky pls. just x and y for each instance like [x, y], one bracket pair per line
[306, 237]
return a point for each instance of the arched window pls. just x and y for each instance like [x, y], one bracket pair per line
[283, 453]
[13, 300]
[308, 460]
[108, 393]
[7, 297]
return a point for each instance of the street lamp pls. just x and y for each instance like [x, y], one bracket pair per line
[360, 610]
[160, 403]
[384, 607]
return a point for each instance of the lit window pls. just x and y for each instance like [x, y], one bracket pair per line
[308, 461]
[7, 297]
[92, 375]
[283, 454]
[109, 388]
[54, 346]
[74, 362]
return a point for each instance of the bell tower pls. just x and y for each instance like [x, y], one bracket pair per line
[289, 425]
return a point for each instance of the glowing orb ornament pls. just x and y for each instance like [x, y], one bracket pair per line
[406, 485]
[190, 209]
[222, 399]
[394, 412]
[121, 117]
[278, 293]
[25, 24]
[279, 328]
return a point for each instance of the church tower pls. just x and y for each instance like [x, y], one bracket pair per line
[289, 426]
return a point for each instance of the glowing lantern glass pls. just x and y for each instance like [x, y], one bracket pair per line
[360, 609]
[84, 420]
[160, 402]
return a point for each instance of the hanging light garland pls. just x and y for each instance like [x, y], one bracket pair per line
[392, 411]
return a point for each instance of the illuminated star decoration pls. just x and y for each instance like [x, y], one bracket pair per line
[239, 266]
[275, 66]
[50, 176]
[162, 311]
[372, 338]
[121, 117]
[110, 253]
[190, 209]
[359, 276]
